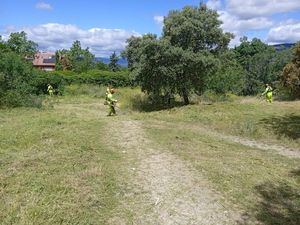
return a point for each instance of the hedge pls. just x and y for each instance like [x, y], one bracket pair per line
[116, 79]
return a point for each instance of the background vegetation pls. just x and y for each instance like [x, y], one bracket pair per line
[190, 58]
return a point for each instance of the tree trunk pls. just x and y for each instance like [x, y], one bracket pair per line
[185, 97]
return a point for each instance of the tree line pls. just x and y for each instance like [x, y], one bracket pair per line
[23, 85]
[81, 60]
[192, 56]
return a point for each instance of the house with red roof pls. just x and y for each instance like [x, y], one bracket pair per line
[44, 61]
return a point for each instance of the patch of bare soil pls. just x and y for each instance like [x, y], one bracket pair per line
[164, 189]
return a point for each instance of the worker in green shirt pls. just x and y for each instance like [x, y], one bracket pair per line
[269, 93]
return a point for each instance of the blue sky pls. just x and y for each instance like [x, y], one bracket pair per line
[104, 25]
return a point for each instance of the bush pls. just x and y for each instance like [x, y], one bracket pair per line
[99, 77]
[85, 89]
[290, 77]
[229, 77]
[42, 79]
[211, 97]
[13, 98]
[16, 76]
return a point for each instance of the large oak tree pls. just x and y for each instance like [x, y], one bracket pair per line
[178, 62]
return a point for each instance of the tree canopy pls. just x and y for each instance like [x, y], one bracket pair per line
[76, 59]
[179, 61]
[113, 62]
[290, 77]
[18, 43]
[261, 64]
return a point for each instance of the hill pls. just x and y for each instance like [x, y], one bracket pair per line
[283, 46]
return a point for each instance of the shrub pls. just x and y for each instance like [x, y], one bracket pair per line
[229, 77]
[85, 89]
[99, 77]
[42, 79]
[16, 76]
[290, 77]
[211, 97]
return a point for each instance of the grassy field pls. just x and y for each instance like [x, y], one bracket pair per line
[62, 164]
[54, 165]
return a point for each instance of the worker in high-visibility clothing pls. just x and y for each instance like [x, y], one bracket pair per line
[50, 90]
[269, 93]
[111, 102]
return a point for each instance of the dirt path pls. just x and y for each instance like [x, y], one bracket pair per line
[164, 189]
[285, 151]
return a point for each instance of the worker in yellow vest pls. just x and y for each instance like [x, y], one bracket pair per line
[111, 102]
[50, 90]
[269, 93]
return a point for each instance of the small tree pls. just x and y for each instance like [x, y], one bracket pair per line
[3, 45]
[290, 77]
[229, 77]
[19, 44]
[76, 59]
[101, 66]
[62, 60]
[113, 64]
[16, 76]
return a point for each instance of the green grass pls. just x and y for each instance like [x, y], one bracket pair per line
[55, 167]
[263, 184]
[250, 179]
[277, 123]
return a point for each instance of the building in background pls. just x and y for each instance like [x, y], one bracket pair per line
[44, 61]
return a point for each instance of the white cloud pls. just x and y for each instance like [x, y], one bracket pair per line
[159, 20]
[238, 27]
[253, 8]
[234, 24]
[214, 4]
[102, 42]
[285, 32]
[43, 5]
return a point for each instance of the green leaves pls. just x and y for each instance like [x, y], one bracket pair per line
[290, 77]
[196, 29]
[15, 80]
[76, 59]
[19, 44]
[179, 61]
[261, 64]
[113, 64]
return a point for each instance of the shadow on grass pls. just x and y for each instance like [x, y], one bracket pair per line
[279, 204]
[296, 173]
[288, 125]
[146, 105]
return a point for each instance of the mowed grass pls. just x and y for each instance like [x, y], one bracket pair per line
[277, 123]
[55, 167]
[263, 184]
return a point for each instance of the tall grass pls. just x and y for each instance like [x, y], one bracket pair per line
[85, 89]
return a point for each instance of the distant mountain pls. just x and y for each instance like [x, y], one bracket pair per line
[122, 62]
[283, 46]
